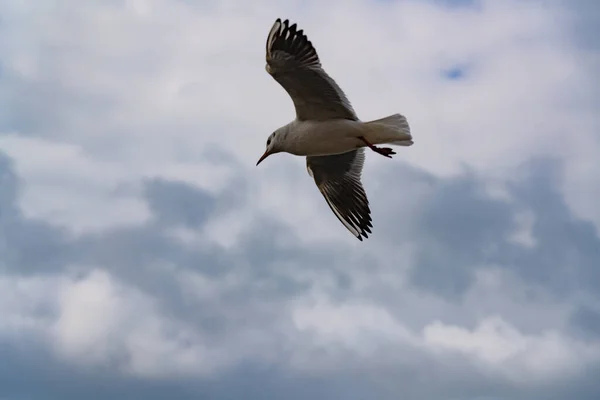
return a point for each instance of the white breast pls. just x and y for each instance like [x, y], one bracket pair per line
[323, 137]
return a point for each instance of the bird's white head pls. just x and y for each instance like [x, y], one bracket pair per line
[274, 144]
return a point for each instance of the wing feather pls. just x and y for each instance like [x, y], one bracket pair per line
[338, 178]
[293, 62]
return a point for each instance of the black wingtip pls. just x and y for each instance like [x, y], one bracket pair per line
[287, 37]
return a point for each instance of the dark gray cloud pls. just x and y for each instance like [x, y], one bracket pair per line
[586, 321]
[178, 204]
[568, 248]
[464, 228]
[585, 27]
[27, 246]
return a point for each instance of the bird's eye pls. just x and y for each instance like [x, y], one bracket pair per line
[268, 141]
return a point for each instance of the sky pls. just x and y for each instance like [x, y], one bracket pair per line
[144, 255]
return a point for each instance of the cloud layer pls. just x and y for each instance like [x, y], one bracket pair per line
[143, 254]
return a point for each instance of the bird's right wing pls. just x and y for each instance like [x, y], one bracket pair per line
[338, 178]
[293, 62]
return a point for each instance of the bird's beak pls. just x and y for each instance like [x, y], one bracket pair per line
[263, 157]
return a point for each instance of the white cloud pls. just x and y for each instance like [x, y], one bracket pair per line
[522, 357]
[523, 234]
[369, 334]
[102, 322]
[351, 325]
[92, 314]
[95, 321]
[65, 186]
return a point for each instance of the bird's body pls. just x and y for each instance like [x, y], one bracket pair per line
[320, 138]
[326, 129]
[334, 136]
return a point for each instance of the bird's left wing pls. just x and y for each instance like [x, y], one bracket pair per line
[338, 177]
[293, 62]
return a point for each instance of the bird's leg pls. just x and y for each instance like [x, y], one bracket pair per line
[384, 151]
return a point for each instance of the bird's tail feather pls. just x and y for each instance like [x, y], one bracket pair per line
[393, 129]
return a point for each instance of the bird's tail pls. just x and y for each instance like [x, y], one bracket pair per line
[393, 129]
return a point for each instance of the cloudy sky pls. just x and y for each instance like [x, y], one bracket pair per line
[143, 255]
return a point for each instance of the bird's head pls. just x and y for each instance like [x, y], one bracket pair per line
[273, 145]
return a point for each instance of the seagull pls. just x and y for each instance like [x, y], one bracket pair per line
[326, 129]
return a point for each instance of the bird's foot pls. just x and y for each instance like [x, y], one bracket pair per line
[384, 151]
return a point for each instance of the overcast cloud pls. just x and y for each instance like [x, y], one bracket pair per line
[143, 255]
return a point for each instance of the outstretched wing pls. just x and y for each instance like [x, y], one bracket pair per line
[293, 62]
[338, 179]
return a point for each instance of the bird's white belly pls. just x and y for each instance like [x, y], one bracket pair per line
[315, 138]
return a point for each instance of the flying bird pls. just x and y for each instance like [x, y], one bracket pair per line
[326, 129]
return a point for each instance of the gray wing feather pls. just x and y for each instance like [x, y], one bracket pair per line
[338, 179]
[293, 62]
